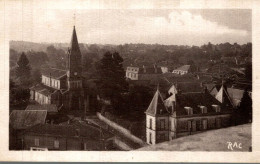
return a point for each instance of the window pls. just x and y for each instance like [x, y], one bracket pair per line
[198, 125]
[162, 124]
[189, 126]
[150, 124]
[56, 144]
[84, 146]
[37, 142]
[150, 137]
[204, 124]
[218, 122]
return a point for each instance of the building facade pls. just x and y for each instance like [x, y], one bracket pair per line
[188, 113]
[66, 137]
[182, 70]
[143, 73]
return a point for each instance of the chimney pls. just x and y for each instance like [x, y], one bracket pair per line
[205, 89]
[144, 69]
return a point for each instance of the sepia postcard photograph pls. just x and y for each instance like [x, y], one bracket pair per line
[149, 81]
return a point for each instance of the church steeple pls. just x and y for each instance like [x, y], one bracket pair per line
[74, 60]
[74, 45]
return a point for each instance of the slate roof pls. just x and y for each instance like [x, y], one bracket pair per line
[173, 78]
[54, 73]
[183, 68]
[210, 86]
[146, 70]
[43, 89]
[157, 106]
[193, 100]
[223, 97]
[236, 95]
[186, 87]
[74, 45]
[23, 119]
[47, 107]
[73, 130]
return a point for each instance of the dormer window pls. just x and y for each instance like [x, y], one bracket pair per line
[203, 109]
[216, 108]
[189, 110]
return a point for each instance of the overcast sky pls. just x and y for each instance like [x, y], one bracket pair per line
[177, 27]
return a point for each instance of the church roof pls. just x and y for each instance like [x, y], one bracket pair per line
[157, 106]
[74, 45]
[43, 89]
[54, 73]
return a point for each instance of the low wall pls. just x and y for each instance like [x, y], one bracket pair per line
[122, 145]
[122, 130]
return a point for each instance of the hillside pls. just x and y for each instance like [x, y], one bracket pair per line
[214, 140]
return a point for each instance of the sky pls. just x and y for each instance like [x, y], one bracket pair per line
[115, 26]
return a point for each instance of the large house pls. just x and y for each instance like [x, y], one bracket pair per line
[143, 73]
[63, 87]
[184, 114]
[19, 121]
[182, 70]
[66, 137]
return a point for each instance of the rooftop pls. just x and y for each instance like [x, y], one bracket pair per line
[194, 100]
[54, 73]
[43, 89]
[47, 107]
[73, 130]
[157, 105]
[23, 119]
[183, 68]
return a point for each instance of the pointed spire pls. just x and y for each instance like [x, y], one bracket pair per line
[74, 45]
[157, 105]
[223, 97]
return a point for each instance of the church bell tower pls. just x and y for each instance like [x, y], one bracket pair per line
[74, 68]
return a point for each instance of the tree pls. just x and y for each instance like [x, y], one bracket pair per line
[36, 76]
[111, 78]
[18, 95]
[245, 108]
[23, 70]
[248, 71]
